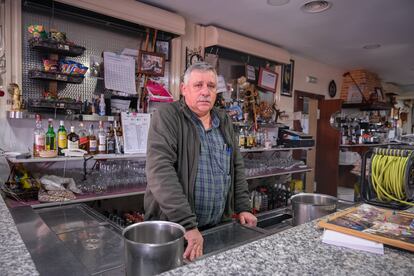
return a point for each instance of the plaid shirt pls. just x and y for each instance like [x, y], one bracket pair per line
[213, 174]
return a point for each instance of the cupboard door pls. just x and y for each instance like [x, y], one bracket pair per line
[327, 149]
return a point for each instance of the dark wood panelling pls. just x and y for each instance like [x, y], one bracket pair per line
[327, 149]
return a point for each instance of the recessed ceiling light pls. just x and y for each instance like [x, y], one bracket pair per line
[316, 6]
[277, 2]
[371, 46]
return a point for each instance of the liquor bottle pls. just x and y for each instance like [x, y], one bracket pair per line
[50, 136]
[39, 137]
[242, 138]
[267, 142]
[101, 139]
[73, 139]
[119, 142]
[93, 143]
[249, 139]
[102, 105]
[62, 138]
[83, 138]
[110, 140]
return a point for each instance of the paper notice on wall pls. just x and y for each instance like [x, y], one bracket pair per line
[135, 131]
[119, 73]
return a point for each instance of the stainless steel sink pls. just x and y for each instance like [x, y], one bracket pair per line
[229, 235]
[275, 221]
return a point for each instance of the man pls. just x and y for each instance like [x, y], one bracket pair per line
[194, 169]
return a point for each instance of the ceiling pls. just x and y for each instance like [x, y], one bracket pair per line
[335, 36]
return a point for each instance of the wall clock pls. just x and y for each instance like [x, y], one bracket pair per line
[332, 89]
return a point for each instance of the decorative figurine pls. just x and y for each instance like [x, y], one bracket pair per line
[15, 92]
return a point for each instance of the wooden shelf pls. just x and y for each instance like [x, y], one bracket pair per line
[281, 172]
[53, 47]
[369, 106]
[55, 76]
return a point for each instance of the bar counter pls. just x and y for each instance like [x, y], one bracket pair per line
[300, 251]
[15, 258]
[296, 251]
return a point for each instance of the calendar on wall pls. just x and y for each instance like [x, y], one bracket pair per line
[119, 73]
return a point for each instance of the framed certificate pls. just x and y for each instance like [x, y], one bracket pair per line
[267, 79]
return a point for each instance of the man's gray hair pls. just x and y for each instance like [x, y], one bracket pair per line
[199, 66]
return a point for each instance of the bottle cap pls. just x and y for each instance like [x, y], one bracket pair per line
[72, 129]
[62, 123]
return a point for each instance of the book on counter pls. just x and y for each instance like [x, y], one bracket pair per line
[371, 223]
[344, 240]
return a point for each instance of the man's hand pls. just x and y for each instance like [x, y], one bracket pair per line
[195, 244]
[247, 218]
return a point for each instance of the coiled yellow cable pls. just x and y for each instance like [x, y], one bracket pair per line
[388, 176]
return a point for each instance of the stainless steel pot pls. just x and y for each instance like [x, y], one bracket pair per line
[307, 207]
[153, 247]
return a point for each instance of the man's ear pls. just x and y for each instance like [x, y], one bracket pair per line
[183, 89]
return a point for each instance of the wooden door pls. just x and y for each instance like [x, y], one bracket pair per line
[313, 100]
[327, 149]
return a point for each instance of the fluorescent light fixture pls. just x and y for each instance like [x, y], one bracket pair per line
[371, 46]
[277, 2]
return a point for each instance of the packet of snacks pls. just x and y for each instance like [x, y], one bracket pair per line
[37, 31]
[72, 67]
[50, 65]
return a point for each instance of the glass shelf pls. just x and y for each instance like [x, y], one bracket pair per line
[79, 198]
[27, 115]
[76, 158]
[281, 172]
[275, 149]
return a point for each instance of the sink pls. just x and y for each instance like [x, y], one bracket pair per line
[229, 235]
[275, 221]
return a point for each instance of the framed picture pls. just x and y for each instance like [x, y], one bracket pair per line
[151, 64]
[163, 47]
[192, 56]
[287, 78]
[250, 73]
[267, 79]
[380, 95]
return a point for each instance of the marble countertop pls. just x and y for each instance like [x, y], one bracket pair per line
[299, 251]
[296, 251]
[15, 258]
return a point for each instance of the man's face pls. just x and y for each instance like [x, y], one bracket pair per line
[200, 92]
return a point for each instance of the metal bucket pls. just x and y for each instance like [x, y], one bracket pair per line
[307, 207]
[153, 247]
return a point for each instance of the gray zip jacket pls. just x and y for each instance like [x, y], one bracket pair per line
[172, 158]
